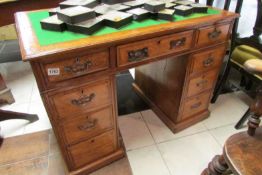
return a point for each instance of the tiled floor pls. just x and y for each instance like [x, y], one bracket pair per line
[151, 147]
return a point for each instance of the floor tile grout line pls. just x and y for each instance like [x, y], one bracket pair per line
[177, 138]
[215, 139]
[156, 145]
[172, 132]
[169, 171]
[220, 126]
[148, 127]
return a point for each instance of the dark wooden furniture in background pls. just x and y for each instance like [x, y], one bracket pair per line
[242, 152]
[252, 41]
[5, 93]
[9, 8]
[76, 80]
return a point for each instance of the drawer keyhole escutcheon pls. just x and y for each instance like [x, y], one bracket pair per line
[83, 100]
[177, 43]
[214, 34]
[196, 105]
[202, 83]
[208, 62]
[78, 67]
[137, 55]
[88, 125]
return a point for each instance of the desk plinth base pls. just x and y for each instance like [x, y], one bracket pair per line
[174, 127]
[120, 153]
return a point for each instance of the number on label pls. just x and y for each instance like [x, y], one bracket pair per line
[53, 71]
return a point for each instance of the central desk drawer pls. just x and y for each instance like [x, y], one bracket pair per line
[147, 49]
[88, 125]
[77, 66]
[93, 149]
[82, 99]
[201, 83]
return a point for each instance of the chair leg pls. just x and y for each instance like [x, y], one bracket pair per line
[6, 115]
[253, 124]
[243, 81]
[218, 166]
[243, 119]
[220, 83]
[256, 109]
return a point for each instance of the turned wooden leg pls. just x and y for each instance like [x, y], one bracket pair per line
[218, 166]
[253, 124]
[256, 110]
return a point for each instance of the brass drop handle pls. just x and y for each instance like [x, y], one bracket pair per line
[88, 125]
[177, 43]
[83, 100]
[214, 34]
[202, 83]
[208, 62]
[78, 67]
[196, 105]
[137, 55]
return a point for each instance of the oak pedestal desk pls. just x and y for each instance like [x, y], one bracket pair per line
[76, 80]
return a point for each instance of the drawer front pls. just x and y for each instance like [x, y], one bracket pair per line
[88, 125]
[195, 105]
[201, 83]
[82, 99]
[93, 149]
[146, 49]
[74, 67]
[207, 60]
[215, 34]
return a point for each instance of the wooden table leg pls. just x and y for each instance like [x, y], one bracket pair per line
[218, 166]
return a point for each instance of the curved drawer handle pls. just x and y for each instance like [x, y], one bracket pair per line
[78, 67]
[202, 83]
[88, 125]
[208, 62]
[196, 105]
[177, 43]
[137, 55]
[83, 100]
[216, 33]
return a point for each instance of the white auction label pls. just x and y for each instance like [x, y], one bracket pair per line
[53, 71]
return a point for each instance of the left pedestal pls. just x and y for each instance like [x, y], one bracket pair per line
[83, 115]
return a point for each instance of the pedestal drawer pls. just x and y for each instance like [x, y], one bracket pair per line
[77, 66]
[88, 125]
[201, 83]
[214, 34]
[195, 105]
[147, 49]
[80, 100]
[207, 60]
[93, 149]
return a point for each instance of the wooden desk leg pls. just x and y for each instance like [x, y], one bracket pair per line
[218, 166]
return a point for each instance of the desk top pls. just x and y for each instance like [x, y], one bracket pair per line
[38, 43]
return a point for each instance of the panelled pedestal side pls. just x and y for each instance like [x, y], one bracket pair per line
[76, 80]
